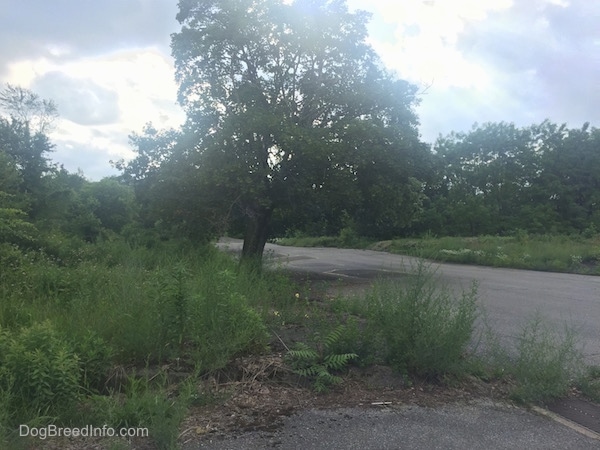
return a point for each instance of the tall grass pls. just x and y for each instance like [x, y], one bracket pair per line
[70, 316]
[414, 325]
[559, 253]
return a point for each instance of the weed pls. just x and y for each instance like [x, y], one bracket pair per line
[424, 330]
[589, 383]
[319, 362]
[145, 405]
[547, 363]
[40, 373]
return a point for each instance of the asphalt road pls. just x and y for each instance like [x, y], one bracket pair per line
[482, 425]
[509, 297]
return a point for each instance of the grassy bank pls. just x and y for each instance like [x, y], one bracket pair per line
[555, 253]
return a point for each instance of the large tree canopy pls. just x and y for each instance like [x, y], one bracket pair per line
[289, 110]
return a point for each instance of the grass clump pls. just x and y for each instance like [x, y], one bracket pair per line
[589, 383]
[413, 325]
[40, 373]
[547, 364]
[424, 330]
[544, 364]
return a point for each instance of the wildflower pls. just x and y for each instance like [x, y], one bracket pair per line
[297, 295]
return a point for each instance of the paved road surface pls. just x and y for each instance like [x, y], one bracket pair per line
[510, 297]
[483, 425]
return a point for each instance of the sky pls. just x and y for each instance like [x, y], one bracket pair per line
[107, 65]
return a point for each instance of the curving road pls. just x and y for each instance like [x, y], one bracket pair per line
[509, 297]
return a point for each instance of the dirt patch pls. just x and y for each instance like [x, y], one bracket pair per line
[267, 391]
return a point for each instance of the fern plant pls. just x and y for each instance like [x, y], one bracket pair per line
[318, 363]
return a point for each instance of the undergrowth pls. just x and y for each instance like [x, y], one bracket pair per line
[80, 323]
[74, 315]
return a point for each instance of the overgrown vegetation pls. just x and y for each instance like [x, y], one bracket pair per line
[90, 334]
[78, 326]
[556, 253]
[110, 288]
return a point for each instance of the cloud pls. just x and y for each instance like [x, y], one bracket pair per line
[107, 64]
[101, 100]
[93, 160]
[503, 60]
[80, 100]
[542, 55]
[62, 30]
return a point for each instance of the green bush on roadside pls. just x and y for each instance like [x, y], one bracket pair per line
[425, 330]
[39, 372]
[547, 364]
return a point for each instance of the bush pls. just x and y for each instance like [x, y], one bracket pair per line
[222, 324]
[41, 370]
[423, 329]
[145, 405]
[95, 357]
[547, 363]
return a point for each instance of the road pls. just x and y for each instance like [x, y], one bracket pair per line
[509, 297]
[482, 425]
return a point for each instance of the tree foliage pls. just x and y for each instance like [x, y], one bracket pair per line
[27, 108]
[288, 110]
[498, 178]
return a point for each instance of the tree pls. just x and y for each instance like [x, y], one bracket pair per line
[498, 178]
[23, 132]
[15, 229]
[276, 95]
[26, 107]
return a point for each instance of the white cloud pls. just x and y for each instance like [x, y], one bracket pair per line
[113, 94]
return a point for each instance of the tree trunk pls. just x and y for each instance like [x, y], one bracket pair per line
[257, 232]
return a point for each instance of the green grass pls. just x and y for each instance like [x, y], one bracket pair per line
[573, 254]
[415, 326]
[75, 316]
[72, 317]
[555, 253]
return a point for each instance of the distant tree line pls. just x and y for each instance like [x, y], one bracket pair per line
[497, 179]
[41, 201]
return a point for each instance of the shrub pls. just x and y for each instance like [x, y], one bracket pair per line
[41, 369]
[547, 363]
[95, 357]
[222, 324]
[145, 405]
[423, 329]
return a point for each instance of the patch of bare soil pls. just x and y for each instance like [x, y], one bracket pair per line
[259, 392]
